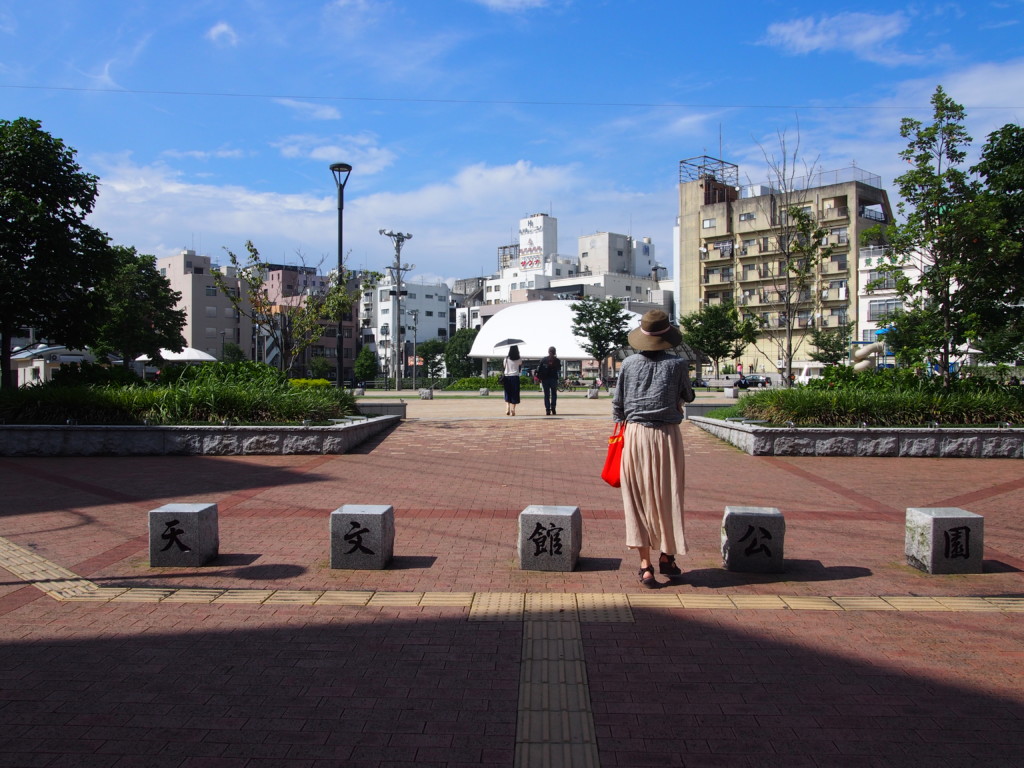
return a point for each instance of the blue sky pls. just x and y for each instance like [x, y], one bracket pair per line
[210, 122]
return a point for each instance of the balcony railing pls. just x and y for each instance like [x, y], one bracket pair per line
[837, 212]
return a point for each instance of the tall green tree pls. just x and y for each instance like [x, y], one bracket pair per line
[831, 345]
[603, 325]
[432, 353]
[140, 314]
[717, 331]
[1001, 172]
[943, 233]
[456, 353]
[365, 366]
[50, 260]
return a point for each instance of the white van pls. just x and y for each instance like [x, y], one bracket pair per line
[808, 372]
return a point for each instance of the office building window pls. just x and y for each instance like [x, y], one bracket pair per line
[708, 224]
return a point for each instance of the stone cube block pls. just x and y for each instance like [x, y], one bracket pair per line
[362, 536]
[550, 538]
[484, 391]
[945, 540]
[753, 540]
[426, 394]
[183, 535]
[593, 393]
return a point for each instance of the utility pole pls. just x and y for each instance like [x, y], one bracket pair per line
[398, 271]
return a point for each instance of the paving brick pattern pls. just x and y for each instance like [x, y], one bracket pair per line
[267, 657]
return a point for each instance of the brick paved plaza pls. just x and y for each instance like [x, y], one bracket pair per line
[455, 657]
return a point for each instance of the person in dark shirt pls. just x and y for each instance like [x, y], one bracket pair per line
[549, 371]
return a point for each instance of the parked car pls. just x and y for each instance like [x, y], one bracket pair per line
[758, 380]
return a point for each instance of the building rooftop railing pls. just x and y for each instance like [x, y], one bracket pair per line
[824, 178]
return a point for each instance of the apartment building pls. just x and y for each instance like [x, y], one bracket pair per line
[287, 285]
[732, 245]
[211, 320]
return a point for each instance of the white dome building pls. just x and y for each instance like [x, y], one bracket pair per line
[534, 326]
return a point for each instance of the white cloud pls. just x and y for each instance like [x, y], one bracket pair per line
[865, 35]
[361, 150]
[222, 33]
[457, 223]
[308, 111]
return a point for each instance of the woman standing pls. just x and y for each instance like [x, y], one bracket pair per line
[510, 380]
[649, 396]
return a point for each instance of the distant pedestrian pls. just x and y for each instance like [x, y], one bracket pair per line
[649, 395]
[548, 372]
[513, 364]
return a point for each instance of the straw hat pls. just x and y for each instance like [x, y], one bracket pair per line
[655, 333]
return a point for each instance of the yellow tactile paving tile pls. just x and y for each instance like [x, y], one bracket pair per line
[97, 595]
[401, 599]
[713, 602]
[603, 607]
[244, 596]
[653, 600]
[344, 597]
[1012, 604]
[916, 604]
[194, 596]
[759, 602]
[863, 603]
[497, 606]
[293, 597]
[143, 595]
[550, 606]
[967, 603]
[811, 603]
[447, 599]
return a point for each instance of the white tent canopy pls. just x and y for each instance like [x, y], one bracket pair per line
[534, 326]
[187, 355]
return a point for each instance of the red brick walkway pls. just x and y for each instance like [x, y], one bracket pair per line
[196, 684]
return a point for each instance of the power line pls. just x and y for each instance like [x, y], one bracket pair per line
[483, 102]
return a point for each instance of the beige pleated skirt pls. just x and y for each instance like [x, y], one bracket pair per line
[653, 474]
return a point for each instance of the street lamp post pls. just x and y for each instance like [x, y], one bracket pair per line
[341, 172]
[397, 270]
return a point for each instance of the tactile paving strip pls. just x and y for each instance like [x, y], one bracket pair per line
[603, 608]
[61, 584]
[555, 722]
[497, 606]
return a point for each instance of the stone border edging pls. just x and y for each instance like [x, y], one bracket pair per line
[213, 440]
[907, 442]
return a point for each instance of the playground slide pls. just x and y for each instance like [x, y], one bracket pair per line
[864, 356]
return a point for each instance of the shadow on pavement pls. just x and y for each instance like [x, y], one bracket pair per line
[427, 687]
[796, 571]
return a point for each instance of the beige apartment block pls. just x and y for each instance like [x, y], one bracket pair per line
[731, 243]
[211, 319]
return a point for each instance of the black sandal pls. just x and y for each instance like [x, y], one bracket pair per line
[645, 580]
[667, 566]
